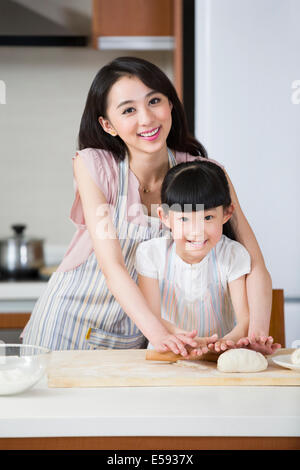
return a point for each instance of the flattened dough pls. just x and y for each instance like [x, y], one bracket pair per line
[295, 357]
[241, 360]
[190, 363]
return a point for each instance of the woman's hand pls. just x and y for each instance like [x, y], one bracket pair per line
[175, 342]
[262, 344]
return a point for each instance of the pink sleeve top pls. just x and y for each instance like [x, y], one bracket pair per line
[103, 169]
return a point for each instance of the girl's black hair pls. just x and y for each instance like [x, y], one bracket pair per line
[91, 133]
[189, 184]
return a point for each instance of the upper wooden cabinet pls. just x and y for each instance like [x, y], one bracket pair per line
[136, 24]
[140, 25]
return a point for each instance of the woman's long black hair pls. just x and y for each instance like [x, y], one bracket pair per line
[189, 184]
[91, 133]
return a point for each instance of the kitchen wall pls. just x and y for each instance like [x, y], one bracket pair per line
[46, 89]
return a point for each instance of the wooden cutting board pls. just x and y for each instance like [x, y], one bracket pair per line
[129, 368]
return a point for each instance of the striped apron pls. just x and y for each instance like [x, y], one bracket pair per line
[77, 311]
[202, 301]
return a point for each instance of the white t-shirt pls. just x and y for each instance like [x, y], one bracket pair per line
[195, 296]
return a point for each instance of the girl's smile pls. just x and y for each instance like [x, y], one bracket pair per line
[195, 245]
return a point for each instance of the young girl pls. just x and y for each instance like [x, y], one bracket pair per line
[196, 279]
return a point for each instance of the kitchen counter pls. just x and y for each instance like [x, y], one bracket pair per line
[19, 296]
[185, 416]
[19, 290]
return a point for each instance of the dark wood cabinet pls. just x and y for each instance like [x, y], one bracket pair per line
[147, 24]
[133, 18]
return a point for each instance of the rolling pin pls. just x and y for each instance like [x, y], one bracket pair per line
[169, 356]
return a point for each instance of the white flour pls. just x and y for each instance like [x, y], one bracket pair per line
[15, 380]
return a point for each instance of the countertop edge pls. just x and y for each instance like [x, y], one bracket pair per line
[243, 426]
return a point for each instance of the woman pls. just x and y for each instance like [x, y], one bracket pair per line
[132, 131]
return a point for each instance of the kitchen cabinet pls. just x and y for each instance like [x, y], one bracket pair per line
[13, 320]
[143, 20]
[140, 25]
[204, 417]
[17, 300]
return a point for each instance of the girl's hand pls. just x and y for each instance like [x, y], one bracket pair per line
[262, 344]
[175, 342]
[222, 345]
[203, 345]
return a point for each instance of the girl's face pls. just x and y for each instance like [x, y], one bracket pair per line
[196, 233]
[141, 117]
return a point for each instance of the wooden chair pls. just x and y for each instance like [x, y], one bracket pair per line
[277, 329]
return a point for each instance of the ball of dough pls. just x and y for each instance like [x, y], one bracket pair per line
[241, 360]
[295, 358]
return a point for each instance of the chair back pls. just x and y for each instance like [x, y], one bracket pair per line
[277, 328]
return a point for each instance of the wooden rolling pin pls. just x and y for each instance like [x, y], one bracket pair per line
[152, 355]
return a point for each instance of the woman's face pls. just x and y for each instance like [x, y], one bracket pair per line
[140, 116]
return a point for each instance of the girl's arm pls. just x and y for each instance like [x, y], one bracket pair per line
[110, 259]
[258, 281]
[238, 294]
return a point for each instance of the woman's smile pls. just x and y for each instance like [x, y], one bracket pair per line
[151, 134]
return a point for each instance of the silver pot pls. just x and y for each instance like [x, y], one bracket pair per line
[21, 257]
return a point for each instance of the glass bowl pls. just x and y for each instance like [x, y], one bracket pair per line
[21, 367]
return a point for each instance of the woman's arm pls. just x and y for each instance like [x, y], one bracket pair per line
[258, 281]
[238, 295]
[151, 292]
[110, 259]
